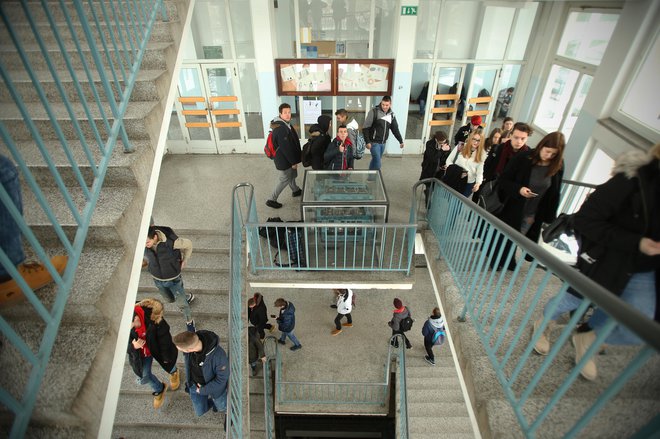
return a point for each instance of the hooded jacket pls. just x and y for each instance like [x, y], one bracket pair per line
[615, 217]
[377, 126]
[353, 128]
[345, 302]
[215, 366]
[397, 316]
[286, 143]
[286, 322]
[434, 159]
[258, 315]
[319, 140]
[335, 160]
[156, 332]
[431, 326]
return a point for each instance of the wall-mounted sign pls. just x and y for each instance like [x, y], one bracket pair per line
[408, 10]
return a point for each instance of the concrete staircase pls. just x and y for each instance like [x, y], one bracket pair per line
[631, 409]
[206, 276]
[71, 398]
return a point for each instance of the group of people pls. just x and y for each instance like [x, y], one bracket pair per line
[327, 153]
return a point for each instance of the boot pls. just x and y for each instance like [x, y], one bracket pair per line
[582, 341]
[34, 274]
[542, 346]
[175, 380]
[159, 398]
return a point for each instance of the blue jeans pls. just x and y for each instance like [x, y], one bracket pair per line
[172, 291]
[468, 190]
[150, 378]
[10, 234]
[292, 336]
[204, 403]
[377, 150]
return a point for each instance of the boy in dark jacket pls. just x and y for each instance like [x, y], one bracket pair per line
[255, 349]
[434, 334]
[286, 322]
[258, 315]
[150, 339]
[400, 312]
[319, 139]
[435, 155]
[287, 155]
[339, 154]
[376, 129]
[207, 370]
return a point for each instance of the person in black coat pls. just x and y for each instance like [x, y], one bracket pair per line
[258, 315]
[288, 155]
[435, 155]
[530, 188]
[319, 139]
[339, 155]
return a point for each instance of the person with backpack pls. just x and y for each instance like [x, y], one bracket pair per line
[339, 155]
[166, 255]
[287, 155]
[377, 125]
[344, 308]
[314, 149]
[434, 334]
[354, 135]
[401, 322]
[465, 164]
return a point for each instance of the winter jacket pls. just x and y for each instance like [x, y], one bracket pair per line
[215, 367]
[377, 126]
[286, 322]
[319, 141]
[258, 316]
[434, 159]
[493, 158]
[335, 160]
[517, 175]
[158, 341]
[615, 217]
[397, 316]
[462, 134]
[431, 326]
[345, 302]
[166, 256]
[353, 128]
[286, 143]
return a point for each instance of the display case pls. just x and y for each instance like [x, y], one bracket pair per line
[355, 196]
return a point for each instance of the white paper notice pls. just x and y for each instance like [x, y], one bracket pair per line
[311, 111]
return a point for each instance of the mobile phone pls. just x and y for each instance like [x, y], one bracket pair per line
[533, 194]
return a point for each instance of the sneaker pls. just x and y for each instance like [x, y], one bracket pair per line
[274, 204]
[281, 341]
[347, 325]
[582, 341]
[429, 360]
[542, 346]
[190, 298]
[333, 306]
[335, 331]
[175, 380]
[271, 329]
[190, 326]
[297, 193]
[296, 347]
[34, 274]
[159, 398]
[409, 346]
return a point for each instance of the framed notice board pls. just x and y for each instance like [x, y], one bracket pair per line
[334, 77]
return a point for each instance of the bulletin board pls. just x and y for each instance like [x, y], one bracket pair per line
[359, 77]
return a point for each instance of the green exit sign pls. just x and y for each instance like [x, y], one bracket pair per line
[408, 10]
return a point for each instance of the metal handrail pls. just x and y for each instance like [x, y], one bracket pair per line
[138, 31]
[470, 240]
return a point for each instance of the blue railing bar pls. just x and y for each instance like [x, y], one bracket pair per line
[130, 26]
[640, 359]
[122, 36]
[9, 401]
[556, 347]
[79, 91]
[113, 40]
[93, 46]
[164, 12]
[477, 257]
[507, 292]
[143, 15]
[530, 346]
[13, 272]
[523, 326]
[135, 18]
[65, 99]
[485, 259]
[563, 388]
[127, 27]
[17, 341]
[27, 118]
[465, 247]
[29, 178]
[392, 248]
[649, 429]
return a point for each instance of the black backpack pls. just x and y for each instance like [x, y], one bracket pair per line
[407, 323]
[307, 154]
[275, 235]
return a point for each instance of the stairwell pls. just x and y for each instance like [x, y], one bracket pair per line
[72, 395]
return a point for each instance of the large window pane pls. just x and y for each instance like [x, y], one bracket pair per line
[209, 31]
[241, 24]
[508, 79]
[457, 23]
[586, 36]
[427, 28]
[247, 77]
[556, 95]
[521, 33]
[493, 39]
[384, 24]
[285, 30]
[576, 105]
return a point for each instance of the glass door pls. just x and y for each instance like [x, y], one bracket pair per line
[483, 82]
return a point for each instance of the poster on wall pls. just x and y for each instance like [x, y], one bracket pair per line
[311, 110]
[304, 78]
[367, 77]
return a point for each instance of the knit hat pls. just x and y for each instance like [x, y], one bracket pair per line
[324, 122]
[476, 120]
[397, 303]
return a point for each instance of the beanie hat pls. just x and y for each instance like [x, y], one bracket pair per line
[476, 120]
[397, 303]
[324, 122]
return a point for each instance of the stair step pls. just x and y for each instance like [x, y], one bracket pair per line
[134, 120]
[145, 88]
[437, 382]
[212, 281]
[14, 12]
[211, 240]
[103, 230]
[438, 407]
[145, 431]
[438, 429]
[429, 371]
[207, 260]
[444, 425]
[433, 394]
[206, 302]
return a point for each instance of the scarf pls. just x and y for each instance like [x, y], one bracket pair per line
[506, 154]
[142, 330]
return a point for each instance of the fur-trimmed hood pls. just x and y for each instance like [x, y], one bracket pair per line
[629, 163]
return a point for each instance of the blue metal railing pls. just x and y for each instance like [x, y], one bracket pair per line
[102, 52]
[502, 307]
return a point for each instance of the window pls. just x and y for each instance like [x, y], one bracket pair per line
[586, 36]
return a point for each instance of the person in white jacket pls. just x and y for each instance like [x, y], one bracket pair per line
[471, 158]
[344, 308]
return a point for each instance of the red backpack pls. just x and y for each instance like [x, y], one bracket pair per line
[269, 148]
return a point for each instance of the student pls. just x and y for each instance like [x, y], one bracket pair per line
[470, 158]
[150, 340]
[320, 139]
[507, 124]
[166, 255]
[353, 126]
[499, 155]
[207, 370]
[339, 154]
[435, 157]
[255, 349]
[288, 155]
[344, 308]
[377, 126]
[286, 323]
[434, 334]
[398, 315]
[258, 315]
[464, 131]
